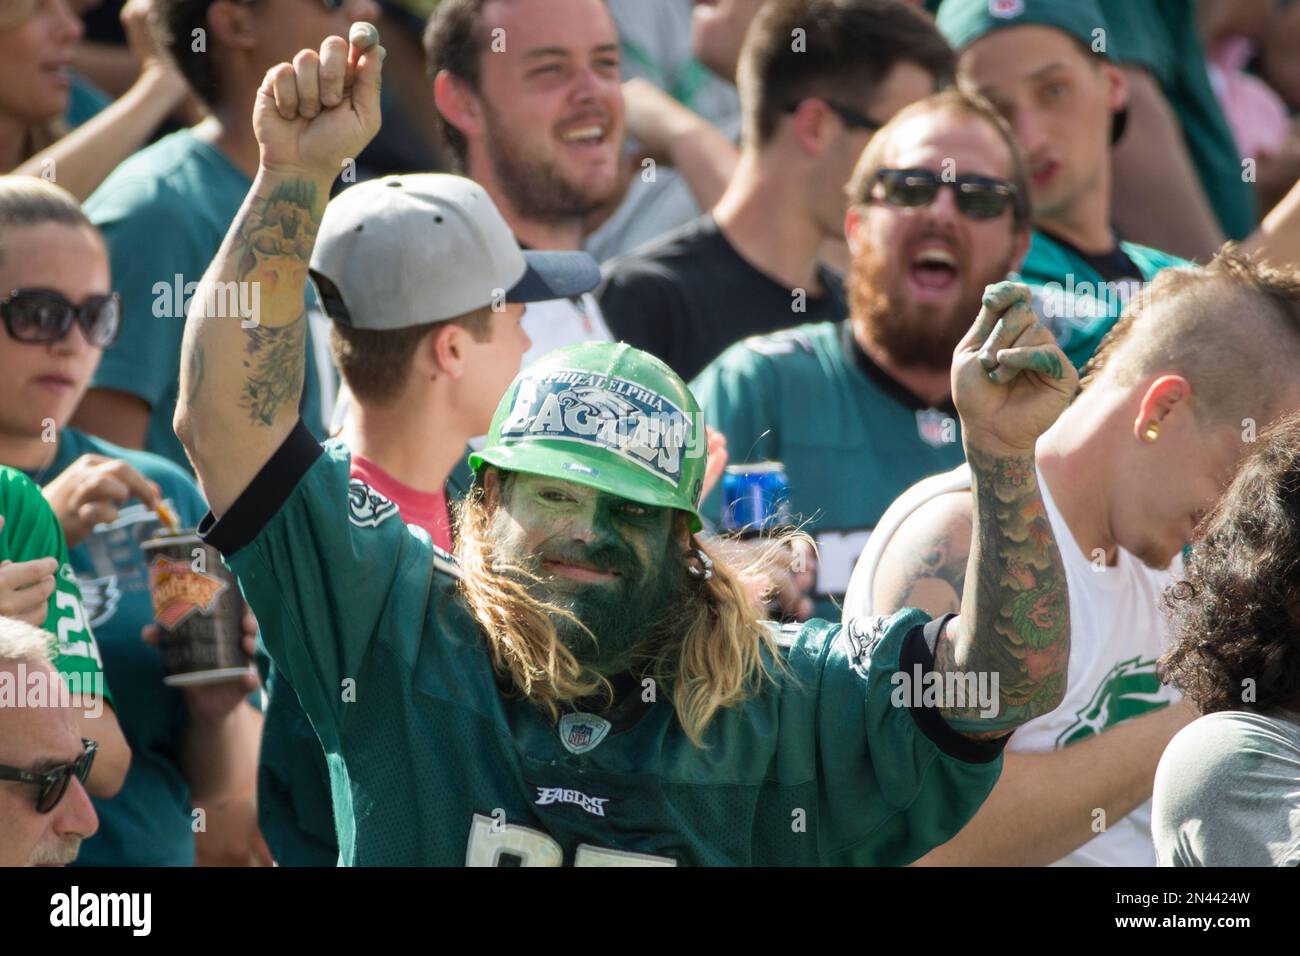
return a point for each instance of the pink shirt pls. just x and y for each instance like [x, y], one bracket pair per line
[427, 509]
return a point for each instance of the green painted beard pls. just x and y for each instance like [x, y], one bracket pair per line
[629, 617]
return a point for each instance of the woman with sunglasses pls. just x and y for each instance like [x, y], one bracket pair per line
[37, 39]
[195, 748]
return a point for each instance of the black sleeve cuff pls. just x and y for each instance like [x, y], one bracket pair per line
[918, 648]
[264, 494]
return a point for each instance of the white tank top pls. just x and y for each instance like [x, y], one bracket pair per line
[1117, 632]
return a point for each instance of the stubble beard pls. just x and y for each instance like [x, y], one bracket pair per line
[536, 188]
[56, 851]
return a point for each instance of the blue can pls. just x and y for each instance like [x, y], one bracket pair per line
[755, 498]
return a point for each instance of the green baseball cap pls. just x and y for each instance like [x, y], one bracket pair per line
[607, 416]
[962, 22]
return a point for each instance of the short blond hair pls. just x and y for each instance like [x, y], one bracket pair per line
[23, 643]
[1231, 328]
[28, 201]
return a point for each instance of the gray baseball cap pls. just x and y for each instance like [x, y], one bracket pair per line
[413, 249]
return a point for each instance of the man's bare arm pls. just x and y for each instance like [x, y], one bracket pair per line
[1047, 805]
[240, 386]
[242, 376]
[924, 564]
[1010, 382]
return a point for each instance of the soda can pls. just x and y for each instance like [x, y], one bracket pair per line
[196, 602]
[756, 498]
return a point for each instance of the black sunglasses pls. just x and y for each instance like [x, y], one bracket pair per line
[43, 315]
[54, 782]
[979, 197]
[849, 116]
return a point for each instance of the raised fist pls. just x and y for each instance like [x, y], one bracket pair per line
[1010, 380]
[323, 108]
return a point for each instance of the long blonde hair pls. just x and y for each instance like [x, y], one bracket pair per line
[13, 14]
[721, 659]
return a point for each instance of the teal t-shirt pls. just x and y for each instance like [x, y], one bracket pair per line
[431, 765]
[164, 214]
[148, 822]
[84, 101]
[1162, 37]
[1074, 300]
[851, 438]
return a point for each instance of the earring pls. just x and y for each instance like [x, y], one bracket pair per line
[705, 569]
[1152, 431]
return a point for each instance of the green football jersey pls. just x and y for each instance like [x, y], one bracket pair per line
[851, 438]
[432, 763]
[31, 530]
[1074, 300]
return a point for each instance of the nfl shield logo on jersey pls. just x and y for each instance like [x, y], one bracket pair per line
[582, 732]
[935, 428]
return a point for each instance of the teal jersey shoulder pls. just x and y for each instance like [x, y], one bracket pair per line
[1072, 299]
[294, 808]
[148, 823]
[851, 440]
[31, 530]
[85, 100]
[431, 763]
[164, 213]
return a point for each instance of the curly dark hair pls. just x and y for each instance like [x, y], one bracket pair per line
[1236, 613]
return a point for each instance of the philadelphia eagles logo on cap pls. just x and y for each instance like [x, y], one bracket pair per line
[634, 422]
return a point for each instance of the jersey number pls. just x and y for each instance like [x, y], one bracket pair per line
[493, 843]
[76, 624]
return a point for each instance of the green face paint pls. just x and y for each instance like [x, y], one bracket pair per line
[608, 560]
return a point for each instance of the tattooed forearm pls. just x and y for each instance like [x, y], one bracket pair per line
[244, 353]
[275, 240]
[275, 370]
[1015, 620]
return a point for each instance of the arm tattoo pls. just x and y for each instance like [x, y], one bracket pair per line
[276, 369]
[276, 240]
[931, 572]
[1015, 609]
